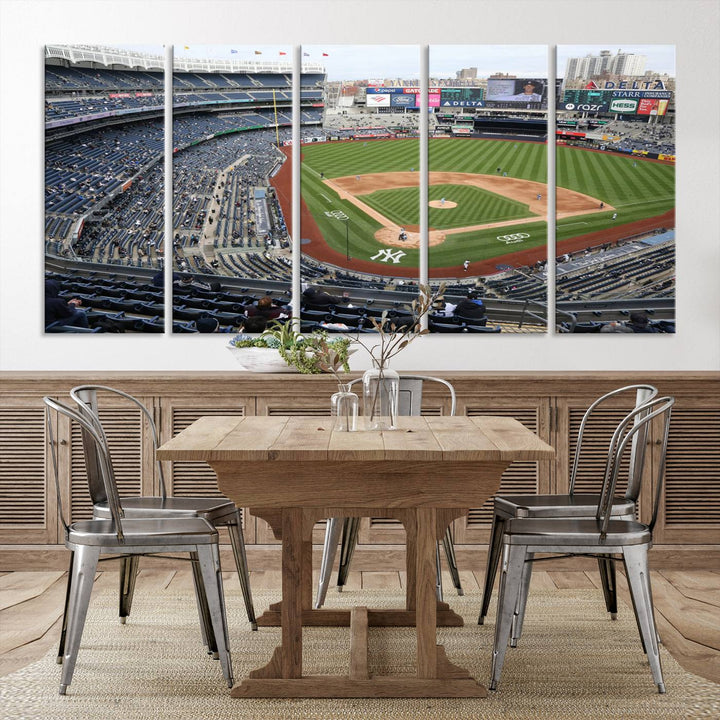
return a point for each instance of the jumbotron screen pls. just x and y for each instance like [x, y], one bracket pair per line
[517, 91]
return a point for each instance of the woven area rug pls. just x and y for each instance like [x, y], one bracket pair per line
[573, 662]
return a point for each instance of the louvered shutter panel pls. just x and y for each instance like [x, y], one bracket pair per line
[194, 478]
[692, 475]
[520, 477]
[22, 473]
[124, 429]
[596, 441]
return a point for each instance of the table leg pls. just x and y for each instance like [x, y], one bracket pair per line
[286, 662]
[425, 598]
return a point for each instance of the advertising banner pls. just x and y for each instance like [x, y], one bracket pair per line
[626, 106]
[652, 107]
[584, 107]
[404, 100]
[434, 99]
[378, 100]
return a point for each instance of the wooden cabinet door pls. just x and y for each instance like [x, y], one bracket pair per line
[690, 502]
[28, 506]
[520, 477]
[198, 478]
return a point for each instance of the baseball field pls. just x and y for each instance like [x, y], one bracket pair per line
[487, 201]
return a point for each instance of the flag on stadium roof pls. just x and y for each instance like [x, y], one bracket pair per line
[306, 54]
[258, 52]
[233, 51]
[187, 47]
[325, 55]
[283, 53]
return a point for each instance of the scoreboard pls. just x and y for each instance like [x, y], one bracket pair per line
[461, 97]
[626, 102]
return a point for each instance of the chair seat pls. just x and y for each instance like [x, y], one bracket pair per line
[146, 531]
[147, 506]
[559, 506]
[575, 532]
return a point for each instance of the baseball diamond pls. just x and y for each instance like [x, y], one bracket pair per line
[376, 185]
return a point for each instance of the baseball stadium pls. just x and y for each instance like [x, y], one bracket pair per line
[360, 200]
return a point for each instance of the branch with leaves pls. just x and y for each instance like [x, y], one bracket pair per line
[395, 337]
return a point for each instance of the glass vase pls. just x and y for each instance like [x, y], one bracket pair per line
[381, 387]
[344, 408]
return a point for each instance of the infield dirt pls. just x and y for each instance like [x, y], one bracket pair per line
[529, 193]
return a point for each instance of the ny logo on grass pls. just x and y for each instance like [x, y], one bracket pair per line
[386, 255]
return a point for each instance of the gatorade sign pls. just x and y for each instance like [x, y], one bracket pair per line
[623, 105]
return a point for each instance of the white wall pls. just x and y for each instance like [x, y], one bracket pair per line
[692, 25]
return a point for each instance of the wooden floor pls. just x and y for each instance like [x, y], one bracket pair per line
[687, 606]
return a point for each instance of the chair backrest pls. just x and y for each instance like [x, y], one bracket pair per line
[643, 394]
[410, 393]
[635, 424]
[100, 453]
[86, 397]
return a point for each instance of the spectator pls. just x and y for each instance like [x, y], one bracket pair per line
[615, 327]
[207, 325]
[471, 307]
[318, 296]
[444, 308]
[266, 309]
[254, 324]
[62, 312]
[639, 323]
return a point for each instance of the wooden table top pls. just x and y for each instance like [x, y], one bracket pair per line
[301, 439]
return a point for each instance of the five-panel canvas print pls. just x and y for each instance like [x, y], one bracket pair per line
[541, 203]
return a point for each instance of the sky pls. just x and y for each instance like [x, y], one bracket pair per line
[359, 62]
[520, 60]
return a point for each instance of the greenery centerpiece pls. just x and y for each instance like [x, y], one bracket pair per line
[281, 349]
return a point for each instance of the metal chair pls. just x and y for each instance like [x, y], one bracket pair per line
[604, 536]
[409, 403]
[123, 537]
[572, 504]
[218, 511]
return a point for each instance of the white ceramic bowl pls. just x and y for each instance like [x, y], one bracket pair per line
[261, 360]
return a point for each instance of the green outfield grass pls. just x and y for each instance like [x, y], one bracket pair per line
[636, 192]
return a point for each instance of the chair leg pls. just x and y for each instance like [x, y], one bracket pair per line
[206, 630]
[607, 577]
[81, 583]
[238, 546]
[333, 528]
[209, 561]
[351, 527]
[638, 577]
[510, 579]
[519, 617]
[449, 548]
[438, 574]
[493, 560]
[63, 631]
[128, 574]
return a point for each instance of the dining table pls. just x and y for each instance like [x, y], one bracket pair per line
[293, 471]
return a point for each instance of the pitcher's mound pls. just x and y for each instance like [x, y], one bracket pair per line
[441, 204]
